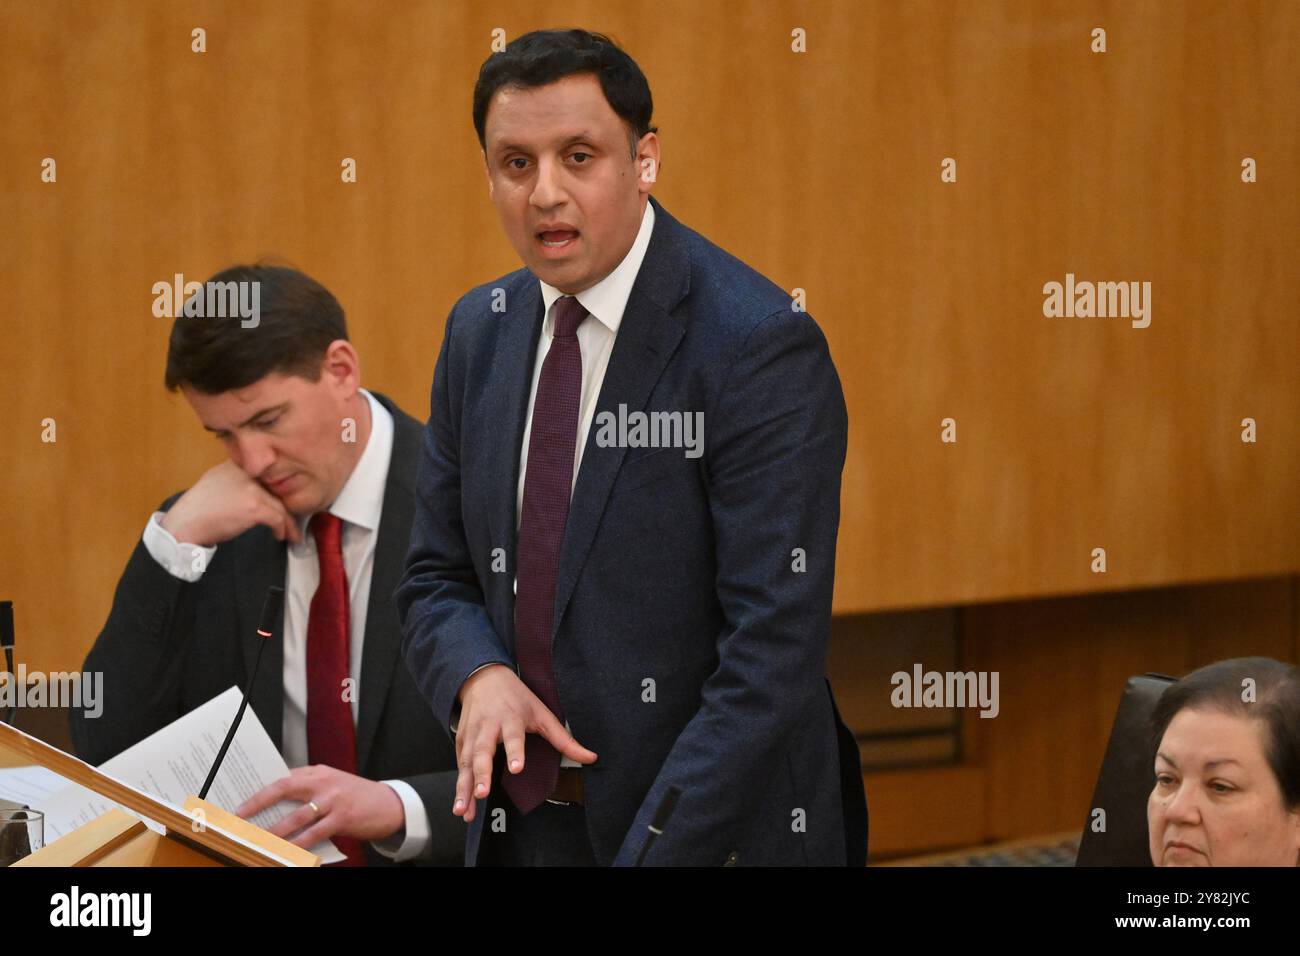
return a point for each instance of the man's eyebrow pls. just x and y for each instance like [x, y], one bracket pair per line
[252, 418]
[583, 137]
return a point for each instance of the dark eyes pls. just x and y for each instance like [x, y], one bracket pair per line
[520, 159]
[263, 423]
[1218, 786]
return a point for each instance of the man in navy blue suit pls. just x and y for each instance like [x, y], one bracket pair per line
[623, 554]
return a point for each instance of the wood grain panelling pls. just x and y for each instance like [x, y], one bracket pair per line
[1063, 664]
[911, 811]
[819, 169]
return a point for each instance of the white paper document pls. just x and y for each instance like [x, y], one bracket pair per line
[172, 764]
[29, 786]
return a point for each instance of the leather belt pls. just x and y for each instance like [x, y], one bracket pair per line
[568, 787]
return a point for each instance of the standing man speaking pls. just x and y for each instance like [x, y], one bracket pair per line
[596, 606]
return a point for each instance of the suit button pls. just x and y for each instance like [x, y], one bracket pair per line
[731, 859]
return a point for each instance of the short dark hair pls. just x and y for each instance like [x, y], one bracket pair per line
[1218, 686]
[544, 56]
[297, 320]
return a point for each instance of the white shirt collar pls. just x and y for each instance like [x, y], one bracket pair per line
[361, 502]
[607, 299]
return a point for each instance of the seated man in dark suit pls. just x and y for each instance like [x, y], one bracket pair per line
[317, 496]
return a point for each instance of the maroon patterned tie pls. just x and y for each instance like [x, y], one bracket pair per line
[331, 736]
[548, 483]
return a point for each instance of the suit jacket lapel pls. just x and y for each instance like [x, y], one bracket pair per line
[383, 635]
[505, 411]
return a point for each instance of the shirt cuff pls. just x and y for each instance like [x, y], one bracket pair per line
[180, 560]
[413, 840]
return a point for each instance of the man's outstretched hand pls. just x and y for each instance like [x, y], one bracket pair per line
[496, 706]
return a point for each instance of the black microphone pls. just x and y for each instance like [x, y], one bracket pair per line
[665, 810]
[271, 610]
[7, 642]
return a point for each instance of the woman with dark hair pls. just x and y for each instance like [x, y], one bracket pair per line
[1227, 766]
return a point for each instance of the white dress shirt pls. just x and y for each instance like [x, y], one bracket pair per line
[606, 301]
[360, 505]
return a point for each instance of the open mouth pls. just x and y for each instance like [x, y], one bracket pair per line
[558, 239]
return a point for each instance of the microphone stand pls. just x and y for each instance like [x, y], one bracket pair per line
[270, 617]
[7, 641]
[665, 810]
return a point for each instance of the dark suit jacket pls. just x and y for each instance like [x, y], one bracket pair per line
[673, 569]
[169, 646]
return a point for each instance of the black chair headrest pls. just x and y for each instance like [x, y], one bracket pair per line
[1125, 781]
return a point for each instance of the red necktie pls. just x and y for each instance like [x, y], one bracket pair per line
[331, 736]
[548, 484]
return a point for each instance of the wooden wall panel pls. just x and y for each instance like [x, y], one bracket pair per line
[820, 169]
[1062, 666]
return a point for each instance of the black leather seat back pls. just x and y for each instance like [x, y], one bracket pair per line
[1126, 778]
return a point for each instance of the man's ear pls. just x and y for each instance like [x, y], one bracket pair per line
[341, 362]
[648, 162]
[488, 173]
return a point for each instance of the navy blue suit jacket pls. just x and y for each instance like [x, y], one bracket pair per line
[674, 570]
